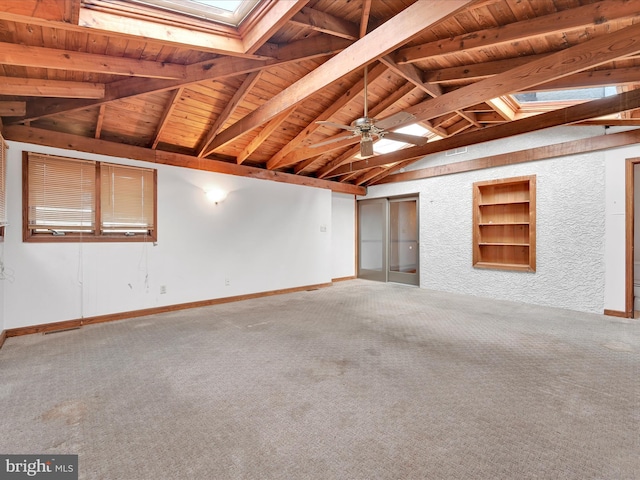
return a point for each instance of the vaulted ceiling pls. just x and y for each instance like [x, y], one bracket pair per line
[117, 77]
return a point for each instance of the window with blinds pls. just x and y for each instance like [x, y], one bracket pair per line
[3, 185]
[69, 199]
[127, 198]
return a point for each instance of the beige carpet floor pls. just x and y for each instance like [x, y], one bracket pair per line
[361, 380]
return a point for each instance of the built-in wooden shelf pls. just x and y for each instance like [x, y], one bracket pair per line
[504, 224]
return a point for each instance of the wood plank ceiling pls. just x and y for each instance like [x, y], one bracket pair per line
[115, 77]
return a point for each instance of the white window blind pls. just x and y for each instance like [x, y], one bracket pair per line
[61, 193]
[3, 182]
[127, 198]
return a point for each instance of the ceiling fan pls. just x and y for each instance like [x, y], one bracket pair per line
[367, 128]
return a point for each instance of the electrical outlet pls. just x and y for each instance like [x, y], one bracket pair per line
[163, 289]
[227, 282]
[323, 228]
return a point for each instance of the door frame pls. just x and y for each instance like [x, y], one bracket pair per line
[385, 275]
[629, 233]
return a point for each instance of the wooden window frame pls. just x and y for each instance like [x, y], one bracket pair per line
[95, 235]
[504, 224]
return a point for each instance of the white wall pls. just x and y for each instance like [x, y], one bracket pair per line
[570, 225]
[615, 226]
[265, 236]
[343, 240]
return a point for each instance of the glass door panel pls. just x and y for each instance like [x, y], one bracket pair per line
[372, 256]
[403, 241]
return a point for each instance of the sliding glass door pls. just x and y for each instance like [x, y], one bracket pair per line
[388, 240]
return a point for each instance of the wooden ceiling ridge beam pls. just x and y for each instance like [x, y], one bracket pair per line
[20, 133]
[353, 92]
[67, 60]
[381, 41]
[592, 53]
[323, 22]
[573, 114]
[226, 113]
[34, 87]
[560, 22]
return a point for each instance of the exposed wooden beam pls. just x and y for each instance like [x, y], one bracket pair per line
[229, 109]
[12, 109]
[255, 34]
[259, 139]
[67, 60]
[378, 109]
[477, 71]
[592, 78]
[574, 147]
[577, 113]
[63, 11]
[412, 74]
[282, 159]
[364, 17]
[32, 87]
[397, 31]
[67, 141]
[312, 47]
[100, 121]
[560, 22]
[171, 105]
[323, 22]
[131, 87]
[598, 51]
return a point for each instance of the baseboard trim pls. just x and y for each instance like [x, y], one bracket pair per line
[3, 337]
[342, 279]
[112, 317]
[616, 313]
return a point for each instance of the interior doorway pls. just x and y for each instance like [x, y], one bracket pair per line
[632, 250]
[388, 239]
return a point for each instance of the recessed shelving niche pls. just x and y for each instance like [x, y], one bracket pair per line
[504, 224]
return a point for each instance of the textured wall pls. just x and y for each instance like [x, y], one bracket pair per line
[570, 228]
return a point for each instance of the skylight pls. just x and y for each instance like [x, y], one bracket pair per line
[229, 12]
[575, 95]
[387, 146]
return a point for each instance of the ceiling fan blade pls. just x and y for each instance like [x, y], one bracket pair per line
[395, 119]
[405, 138]
[334, 139]
[337, 125]
[366, 147]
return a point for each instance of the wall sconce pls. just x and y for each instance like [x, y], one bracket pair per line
[215, 195]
